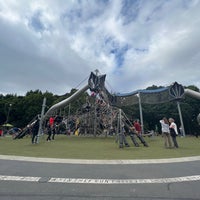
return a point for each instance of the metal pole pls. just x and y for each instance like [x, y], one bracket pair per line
[120, 128]
[41, 119]
[180, 116]
[141, 115]
[7, 118]
[95, 110]
[95, 118]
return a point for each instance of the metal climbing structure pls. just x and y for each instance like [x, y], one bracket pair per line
[103, 106]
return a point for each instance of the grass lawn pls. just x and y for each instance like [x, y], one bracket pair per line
[80, 147]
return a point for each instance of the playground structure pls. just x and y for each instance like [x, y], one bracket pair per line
[174, 92]
[102, 111]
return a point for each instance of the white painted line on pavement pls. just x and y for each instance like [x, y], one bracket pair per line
[97, 162]
[101, 181]
[124, 181]
[19, 178]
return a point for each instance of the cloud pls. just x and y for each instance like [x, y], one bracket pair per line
[54, 46]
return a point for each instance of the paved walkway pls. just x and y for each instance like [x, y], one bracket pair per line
[50, 178]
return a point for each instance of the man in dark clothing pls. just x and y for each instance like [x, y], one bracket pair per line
[49, 132]
[35, 128]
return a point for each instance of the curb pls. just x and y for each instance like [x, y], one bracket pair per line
[99, 162]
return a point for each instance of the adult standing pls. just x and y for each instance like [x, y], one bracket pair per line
[51, 128]
[165, 132]
[49, 132]
[173, 131]
[35, 128]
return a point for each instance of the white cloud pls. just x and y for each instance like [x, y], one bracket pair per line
[54, 46]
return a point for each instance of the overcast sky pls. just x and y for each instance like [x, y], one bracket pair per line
[53, 45]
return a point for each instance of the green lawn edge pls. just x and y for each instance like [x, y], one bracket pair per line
[106, 148]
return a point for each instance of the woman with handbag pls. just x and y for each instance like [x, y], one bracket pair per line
[173, 131]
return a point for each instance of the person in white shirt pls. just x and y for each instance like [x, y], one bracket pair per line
[165, 132]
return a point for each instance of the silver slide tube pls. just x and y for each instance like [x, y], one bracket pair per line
[66, 101]
[192, 93]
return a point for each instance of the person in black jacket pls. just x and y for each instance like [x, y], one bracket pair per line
[35, 129]
[173, 132]
[49, 132]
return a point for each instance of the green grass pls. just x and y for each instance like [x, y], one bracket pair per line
[97, 148]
